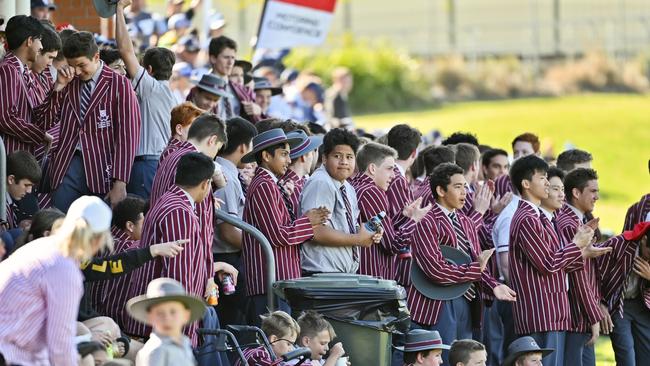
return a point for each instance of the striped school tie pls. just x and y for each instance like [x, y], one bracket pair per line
[242, 183]
[348, 218]
[464, 245]
[84, 98]
[287, 202]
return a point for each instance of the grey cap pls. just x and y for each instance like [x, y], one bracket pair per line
[521, 346]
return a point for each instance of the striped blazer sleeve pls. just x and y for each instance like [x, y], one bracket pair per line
[49, 112]
[539, 255]
[11, 122]
[127, 130]
[427, 255]
[270, 216]
[371, 203]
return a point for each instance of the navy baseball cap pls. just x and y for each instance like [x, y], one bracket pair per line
[43, 4]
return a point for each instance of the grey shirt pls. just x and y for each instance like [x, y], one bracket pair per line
[322, 190]
[156, 102]
[233, 198]
[163, 351]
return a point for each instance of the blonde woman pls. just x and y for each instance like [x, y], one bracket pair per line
[41, 285]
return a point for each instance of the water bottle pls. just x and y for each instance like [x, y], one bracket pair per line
[375, 223]
[227, 285]
[213, 299]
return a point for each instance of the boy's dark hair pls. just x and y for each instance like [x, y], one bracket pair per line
[19, 28]
[193, 169]
[80, 44]
[291, 125]
[528, 137]
[441, 176]
[458, 137]
[555, 172]
[161, 61]
[373, 152]
[339, 136]
[22, 165]
[577, 178]
[462, 349]
[42, 221]
[405, 139]
[267, 124]
[207, 125]
[50, 39]
[128, 209]
[412, 357]
[316, 129]
[109, 56]
[568, 159]
[466, 155]
[64, 34]
[436, 155]
[525, 168]
[491, 153]
[311, 323]
[218, 44]
[271, 150]
[239, 131]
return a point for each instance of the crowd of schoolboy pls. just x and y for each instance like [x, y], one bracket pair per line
[74, 127]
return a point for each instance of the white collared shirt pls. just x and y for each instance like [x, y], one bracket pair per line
[189, 197]
[581, 216]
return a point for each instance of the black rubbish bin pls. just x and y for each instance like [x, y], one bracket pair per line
[363, 310]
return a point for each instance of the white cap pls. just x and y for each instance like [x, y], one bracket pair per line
[93, 210]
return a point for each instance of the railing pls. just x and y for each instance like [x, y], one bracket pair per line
[266, 249]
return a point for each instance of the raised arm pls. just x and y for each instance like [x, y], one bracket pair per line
[124, 44]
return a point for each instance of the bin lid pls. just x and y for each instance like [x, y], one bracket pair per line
[337, 281]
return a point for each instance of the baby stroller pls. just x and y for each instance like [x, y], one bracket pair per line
[225, 342]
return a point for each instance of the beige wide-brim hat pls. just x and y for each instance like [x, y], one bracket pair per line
[163, 290]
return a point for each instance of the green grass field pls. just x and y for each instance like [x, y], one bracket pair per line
[615, 128]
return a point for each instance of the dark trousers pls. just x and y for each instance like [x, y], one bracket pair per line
[576, 352]
[631, 334]
[73, 185]
[498, 330]
[230, 309]
[142, 174]
[257, 306]
[554, 340]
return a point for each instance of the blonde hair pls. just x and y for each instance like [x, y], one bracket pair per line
[78, 242]
[279, 324]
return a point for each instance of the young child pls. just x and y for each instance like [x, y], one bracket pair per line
[316, 333]
[524, 351]
[423, 347]
[466, 352]
[282, 331]
[167, 308]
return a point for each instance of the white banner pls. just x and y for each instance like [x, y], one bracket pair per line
[290, 23]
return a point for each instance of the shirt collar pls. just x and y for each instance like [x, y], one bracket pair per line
[189, 199]
[275, 179]
[170, 340]
[578, 213]
[532, 205]
[548, 214]
[444, 210]
[227, 165]
[97, 73]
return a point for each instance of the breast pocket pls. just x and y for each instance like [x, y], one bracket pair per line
[103, 117]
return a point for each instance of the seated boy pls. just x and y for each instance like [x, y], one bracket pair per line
[524, 351]
[466, 352]
[167, 308]
[316, 333]
[282, 331]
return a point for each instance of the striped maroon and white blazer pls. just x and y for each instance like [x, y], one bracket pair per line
[109, 297]
[502, 185]
[637, 212]
[171, 218]
[538, 261]
[377, 259]
[20, 129]
[434, 230]
[298, 184]
[172, 146]
[399, 195]
[265, 209]
[109, 133]
[584, 288]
